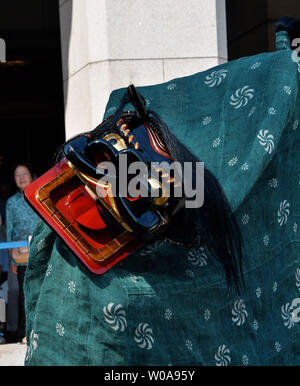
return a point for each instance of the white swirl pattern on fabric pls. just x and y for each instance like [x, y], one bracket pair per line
[239, 313]
[197, 257]
[266, 140]
[215, 78]
[222, 356]
[290, 313]
[144, 336]
[241, 97]
[283, 212]
[115, 315]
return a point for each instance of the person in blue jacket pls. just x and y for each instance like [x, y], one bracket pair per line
[20, 224]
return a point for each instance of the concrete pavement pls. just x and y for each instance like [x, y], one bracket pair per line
[12, 354]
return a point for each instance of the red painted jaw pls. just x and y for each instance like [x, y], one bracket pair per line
[61, 199]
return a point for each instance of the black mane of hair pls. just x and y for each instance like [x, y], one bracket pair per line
[213, 225]
[26, 165]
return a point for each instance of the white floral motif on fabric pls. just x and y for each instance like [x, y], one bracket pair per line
[298, 278]
[189, 344]
[72, 286]
[295, 125]
[216, 142]
[245, 360]
[255, 65]
[41, 245]
[111, 110]
[115, 316]
[60, 329]
[206, 121]
[245, 166]
[255, 324]
[287, 89]
[245, 218]
[207, 314]
[49, 270]
[168, 314]
[277, 346]
[233, 161]
[171, 86]
[273, 183]
[134, 278]
[266, 240]
[251, 111]
[258, 292]
[272, 111]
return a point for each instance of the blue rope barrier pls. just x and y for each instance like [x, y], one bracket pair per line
[13, 244]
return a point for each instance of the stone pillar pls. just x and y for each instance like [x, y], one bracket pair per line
[109, 44]
[2, 50]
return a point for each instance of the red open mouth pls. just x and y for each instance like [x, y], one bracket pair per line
[61, 199]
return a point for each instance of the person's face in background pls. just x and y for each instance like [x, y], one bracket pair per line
[22, 177]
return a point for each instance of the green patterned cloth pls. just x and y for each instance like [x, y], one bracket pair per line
[165, 305]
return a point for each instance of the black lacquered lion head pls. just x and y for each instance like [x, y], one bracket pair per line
[103, 159]
[142, 136]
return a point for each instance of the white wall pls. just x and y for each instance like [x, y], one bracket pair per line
[108, 44]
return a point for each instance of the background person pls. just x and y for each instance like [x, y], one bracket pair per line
[3, 283]
[11, 284]
[20, 224]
